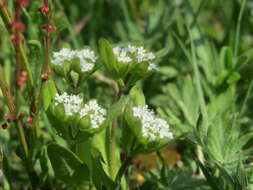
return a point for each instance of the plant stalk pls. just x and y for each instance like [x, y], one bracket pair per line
[112, 141]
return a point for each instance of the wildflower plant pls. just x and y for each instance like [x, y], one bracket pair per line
[78, 116]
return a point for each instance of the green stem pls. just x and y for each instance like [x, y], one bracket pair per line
[8, 20]
[6, 92]
[10, 103]
[5, 13]
[26, 65]
[238, 27]
[123, 168]
[198, 83]
[200, 95]
[112, 142]
[21, 134]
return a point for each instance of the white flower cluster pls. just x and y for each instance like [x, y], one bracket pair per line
[153, 128]
[129, 53]
[87, 58]
[71, 103]
[74, 104]
[95, 113]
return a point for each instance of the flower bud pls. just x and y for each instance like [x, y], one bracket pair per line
[48, 28]
[43, 8]
[30, 120]
[17, 26]
[24, 3]
[5, 126]
[17, 38]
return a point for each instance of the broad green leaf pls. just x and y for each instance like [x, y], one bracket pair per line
[99, 176]
[137, 97]
[67, 165]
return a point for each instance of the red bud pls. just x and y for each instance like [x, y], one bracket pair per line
[18, 38]
[4, 4]
[44, 76]
[24, 3]
[50, 72]
[17, 26]
[48, 28]
[43, 9]
[5, 126]
[30, 120]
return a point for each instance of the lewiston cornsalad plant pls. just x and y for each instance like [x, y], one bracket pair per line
[79, 117]
[78, 121]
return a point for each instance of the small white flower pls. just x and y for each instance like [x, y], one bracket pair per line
[137, 52]
[94, 112]
[63, 55]
[71, 103]
[74, 104]
[121, 54]
[152, 67]
[152, 127]
[87, 58]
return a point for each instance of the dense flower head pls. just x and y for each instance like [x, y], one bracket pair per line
[73, 104]
[95, 113]
[152, 127]
[138, 53]
[87, 58]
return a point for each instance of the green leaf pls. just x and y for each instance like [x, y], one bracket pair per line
[116, 109]
[169, 72]
[48, 92]
[7, 171]
[137, 97]
[99, 176]
[209, 176]
[67, 165]
[226, 58]
[108, 58]
[233, 78]
[161, 53]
